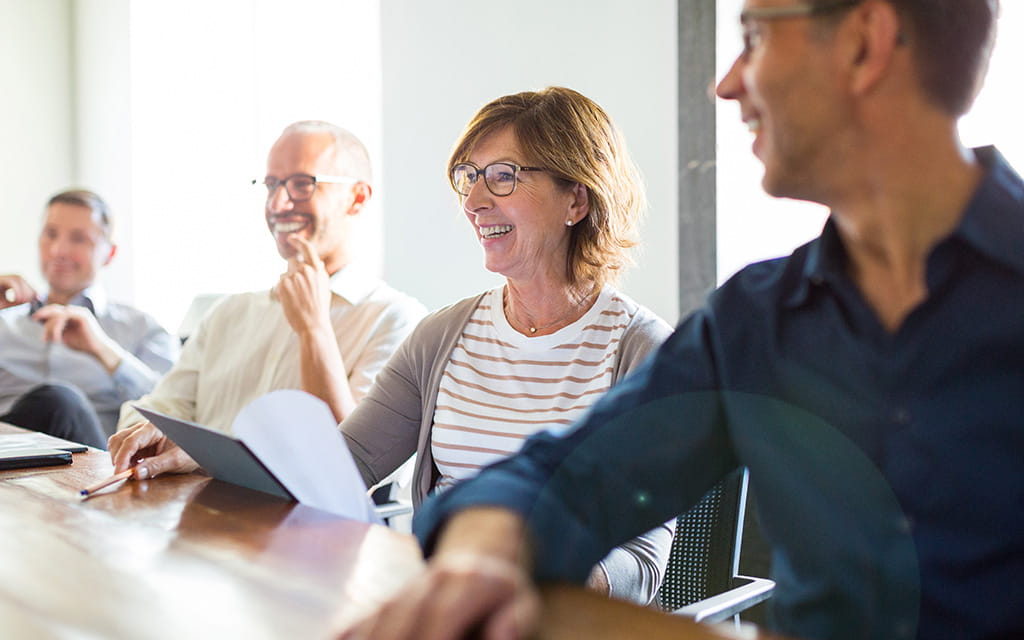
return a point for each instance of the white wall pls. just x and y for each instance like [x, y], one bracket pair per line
[995, 116]
[172, 123]
[147, 104]
[209, 97]
[36, 134]
[179, 104]
[101, 55]
[444, 59]
[752, 226]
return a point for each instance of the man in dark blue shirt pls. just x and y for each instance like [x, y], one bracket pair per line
[872, 382]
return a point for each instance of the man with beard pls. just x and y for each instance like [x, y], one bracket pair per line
[325, 327]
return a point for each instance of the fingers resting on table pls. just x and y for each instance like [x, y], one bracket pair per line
[457, 594]
[149, 451]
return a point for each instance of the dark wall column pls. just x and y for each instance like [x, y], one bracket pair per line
[697, 211]
[697, 255]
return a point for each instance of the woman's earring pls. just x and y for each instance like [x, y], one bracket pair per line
[568, 223]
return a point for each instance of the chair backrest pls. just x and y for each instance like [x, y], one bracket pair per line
[196, 310]
[706, 548]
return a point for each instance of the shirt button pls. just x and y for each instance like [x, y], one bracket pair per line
[905, 524]
[901, 416]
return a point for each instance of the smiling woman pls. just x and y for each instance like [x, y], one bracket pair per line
[545, 181]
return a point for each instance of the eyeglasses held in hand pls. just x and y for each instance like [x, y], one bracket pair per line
[301, 186]
[500, 177]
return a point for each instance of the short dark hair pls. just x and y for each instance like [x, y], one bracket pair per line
[91, 201]
[952, 42]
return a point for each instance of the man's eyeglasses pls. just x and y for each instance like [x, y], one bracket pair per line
[301, 186]
[751, 35]
[500, 177]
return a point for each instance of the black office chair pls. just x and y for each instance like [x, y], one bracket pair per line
[702, 579]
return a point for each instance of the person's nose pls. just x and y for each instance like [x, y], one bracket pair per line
[479, 198]
[279, 201]
[59, 247]
[731, 85]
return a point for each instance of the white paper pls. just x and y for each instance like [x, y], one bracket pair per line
[296, 437]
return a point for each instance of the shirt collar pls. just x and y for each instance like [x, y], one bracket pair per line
[93, 298]
[991, 224]
[824, 259]
[352, 283]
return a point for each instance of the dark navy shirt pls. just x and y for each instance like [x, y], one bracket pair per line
[889, 467]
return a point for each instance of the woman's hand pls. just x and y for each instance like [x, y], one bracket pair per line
[146, 449]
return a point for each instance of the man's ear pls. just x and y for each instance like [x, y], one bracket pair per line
[361, 193]
[879, 30]
[110, 256]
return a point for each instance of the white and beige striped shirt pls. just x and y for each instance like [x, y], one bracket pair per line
[500, 386]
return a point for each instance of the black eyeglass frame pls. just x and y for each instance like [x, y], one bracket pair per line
[273, 184]
[516, 168]
[796, 10]
[800, 10]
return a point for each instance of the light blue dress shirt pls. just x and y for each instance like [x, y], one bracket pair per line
[147, 352]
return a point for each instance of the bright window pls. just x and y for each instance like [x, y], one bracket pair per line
[212, 86]
[753, 226]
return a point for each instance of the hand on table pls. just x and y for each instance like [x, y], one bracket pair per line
[475, 583]
[149, 451]
[458, 593]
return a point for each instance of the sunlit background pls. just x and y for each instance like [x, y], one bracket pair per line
[168, 110]
[753, 226]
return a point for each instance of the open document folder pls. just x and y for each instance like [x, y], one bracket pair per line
[285, 443]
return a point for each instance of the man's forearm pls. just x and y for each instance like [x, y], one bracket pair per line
[107, 356]
[323, 371]
[491, 531]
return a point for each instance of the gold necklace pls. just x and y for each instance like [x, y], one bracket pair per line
[532, 329]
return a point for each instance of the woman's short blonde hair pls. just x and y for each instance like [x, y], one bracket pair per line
[576, 141]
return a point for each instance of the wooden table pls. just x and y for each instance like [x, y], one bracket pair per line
[571, 612]
[186, 556]
[181, 557]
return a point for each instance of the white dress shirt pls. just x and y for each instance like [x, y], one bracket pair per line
[147, 351]
[244, 348]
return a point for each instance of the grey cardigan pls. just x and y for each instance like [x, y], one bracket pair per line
[395, 418]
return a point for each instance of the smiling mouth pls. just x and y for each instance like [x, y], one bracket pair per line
[284, 227]
[496, 231]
